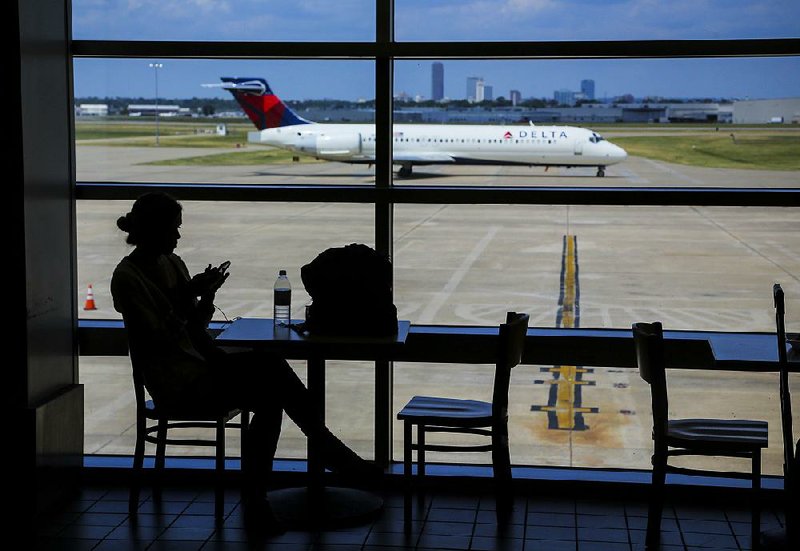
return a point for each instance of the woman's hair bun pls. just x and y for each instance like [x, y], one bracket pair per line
[124, 223]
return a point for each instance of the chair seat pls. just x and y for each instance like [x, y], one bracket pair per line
[433, 410]
[718, 433]
[197, 413]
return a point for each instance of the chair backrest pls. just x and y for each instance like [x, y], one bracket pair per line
[510, 346]
[137, 369]
[138, 381]
[785, 395]
[648, 339]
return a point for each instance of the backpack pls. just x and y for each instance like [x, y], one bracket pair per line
[351, 293]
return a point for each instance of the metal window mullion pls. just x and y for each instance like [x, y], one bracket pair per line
[385, 44]
[384, 88]
[477, 195]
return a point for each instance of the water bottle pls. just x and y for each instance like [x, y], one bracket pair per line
[282, 309]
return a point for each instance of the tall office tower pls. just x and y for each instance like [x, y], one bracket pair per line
[515, 96]
[488, 92]
[587, 87]
[474, 88]
[437, 81]
[564, 97]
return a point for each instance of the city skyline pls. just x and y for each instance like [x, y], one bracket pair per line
[750, 78]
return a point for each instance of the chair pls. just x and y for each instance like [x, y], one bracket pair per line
[791, 461]
[203, 416]
[433, 414]
[680, 437]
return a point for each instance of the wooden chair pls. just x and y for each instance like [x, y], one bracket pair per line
[680, 437]
[153, 425]
[432, 414]
[791, 461]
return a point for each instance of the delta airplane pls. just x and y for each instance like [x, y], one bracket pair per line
[419, 144]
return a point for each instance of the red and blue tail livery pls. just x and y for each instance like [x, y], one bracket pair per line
[264, 108]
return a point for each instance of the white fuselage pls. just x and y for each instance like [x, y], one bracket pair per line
[421, 144]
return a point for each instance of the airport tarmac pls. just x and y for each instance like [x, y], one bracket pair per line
[705, 268]
[99, 163]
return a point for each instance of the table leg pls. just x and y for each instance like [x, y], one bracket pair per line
[383, 412]
[316, 506]
[316, 464]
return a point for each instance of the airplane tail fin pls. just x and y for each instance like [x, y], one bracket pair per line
[264, 108]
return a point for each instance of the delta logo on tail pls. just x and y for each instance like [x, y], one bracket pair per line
[260, 105]
[419, 144]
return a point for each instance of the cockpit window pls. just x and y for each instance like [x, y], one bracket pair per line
[596, 138]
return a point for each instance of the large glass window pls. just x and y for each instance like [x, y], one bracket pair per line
[531, 20]
[584, 417]
[163, 121]
[598, 255]
[716, 122]
[230, 21]
[695, 268]
[258, 238]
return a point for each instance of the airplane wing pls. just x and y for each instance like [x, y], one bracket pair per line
[422, 157]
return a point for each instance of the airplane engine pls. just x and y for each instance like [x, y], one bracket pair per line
[339, 144]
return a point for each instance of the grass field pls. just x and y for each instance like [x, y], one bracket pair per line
[750, 150]
[171, 134]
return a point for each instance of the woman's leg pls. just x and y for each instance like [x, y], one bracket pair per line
[243, 387]
[266, 384]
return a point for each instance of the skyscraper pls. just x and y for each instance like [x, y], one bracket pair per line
[488, 92]
[564, 97]
[587, 88]
[437, 81]
[515, 96]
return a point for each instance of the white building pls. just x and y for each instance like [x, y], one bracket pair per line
[762, 111]
[475, 89]
[92, 110]
[150, 109]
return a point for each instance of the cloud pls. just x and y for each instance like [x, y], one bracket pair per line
[523, 20]
[532, 20]
[526, 6]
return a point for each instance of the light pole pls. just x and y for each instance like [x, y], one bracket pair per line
[156, 67]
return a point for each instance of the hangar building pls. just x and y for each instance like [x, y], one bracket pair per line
[760, 111]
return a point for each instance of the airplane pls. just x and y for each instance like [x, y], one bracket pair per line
[419, 144]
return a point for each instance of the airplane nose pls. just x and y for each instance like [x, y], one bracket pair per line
[618, 153]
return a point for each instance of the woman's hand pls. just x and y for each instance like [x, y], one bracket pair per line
[208, 282]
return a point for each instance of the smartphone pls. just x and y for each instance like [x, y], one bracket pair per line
[224, 267]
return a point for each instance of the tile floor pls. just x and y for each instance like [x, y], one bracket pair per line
[97, 518]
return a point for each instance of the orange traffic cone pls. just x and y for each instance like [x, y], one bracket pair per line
[89, 304]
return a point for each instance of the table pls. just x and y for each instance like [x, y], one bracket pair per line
[316, 505]
[751, 352]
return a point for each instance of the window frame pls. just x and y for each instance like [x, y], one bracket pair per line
[383, 51]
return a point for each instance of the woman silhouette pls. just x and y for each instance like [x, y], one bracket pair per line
[166, 313]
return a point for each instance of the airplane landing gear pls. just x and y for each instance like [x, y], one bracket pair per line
[601, 171]
[405, 171]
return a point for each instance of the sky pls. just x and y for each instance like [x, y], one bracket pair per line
[445, 20]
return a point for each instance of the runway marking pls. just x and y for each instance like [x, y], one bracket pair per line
[442, 296]
[564, 407]
[704, 214]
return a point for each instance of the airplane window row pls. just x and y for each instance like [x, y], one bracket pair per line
[593, 139]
